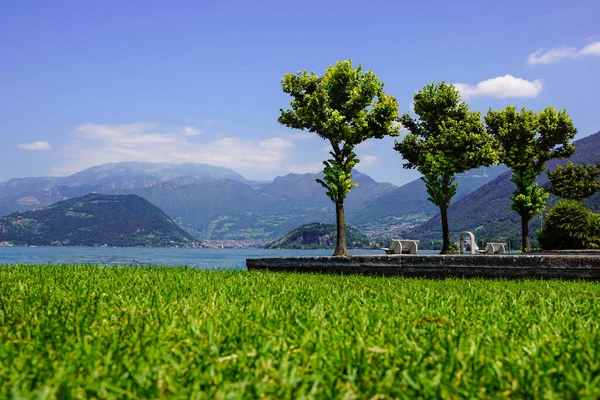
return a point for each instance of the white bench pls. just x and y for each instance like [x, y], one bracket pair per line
[493, 248]
[402, 247]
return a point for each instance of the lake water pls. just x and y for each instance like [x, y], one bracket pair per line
[200, 258]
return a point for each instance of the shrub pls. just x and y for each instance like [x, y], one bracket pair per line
[574, 182]
[570, 225]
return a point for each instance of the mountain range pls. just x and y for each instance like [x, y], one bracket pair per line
[218, 203]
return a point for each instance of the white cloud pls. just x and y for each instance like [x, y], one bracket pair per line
[35, 146]
[592, 49]
[126, 135]
[311, 168]
[557, 54]
[191, 131]
[366, 160]
[502, 86]
[367, 144]
[552, 55]
[302, 136]
[275, 144]
[95, 144]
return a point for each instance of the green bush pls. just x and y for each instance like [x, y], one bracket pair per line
[570, 225]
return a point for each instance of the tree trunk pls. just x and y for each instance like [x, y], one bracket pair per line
[340, 246]
[446, 245]
[525, 242]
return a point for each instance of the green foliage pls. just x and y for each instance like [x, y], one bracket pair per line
[445, 140]
[439, 190]
[529, 199]
[528, 140]
[97, 332]
[338, 178]
[346, 106]
[512, 241]
[574, 182]
[570, 225]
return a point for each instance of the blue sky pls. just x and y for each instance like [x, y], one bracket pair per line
[88, 82]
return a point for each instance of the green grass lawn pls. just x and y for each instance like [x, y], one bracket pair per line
[85, 331]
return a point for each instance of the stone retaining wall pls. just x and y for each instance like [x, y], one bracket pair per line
[442, 266]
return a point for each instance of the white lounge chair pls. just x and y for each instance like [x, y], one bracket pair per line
[402, 247]
[493, 248]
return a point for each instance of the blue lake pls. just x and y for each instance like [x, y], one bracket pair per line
[200, 258]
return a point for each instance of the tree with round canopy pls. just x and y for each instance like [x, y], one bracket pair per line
[345, 106]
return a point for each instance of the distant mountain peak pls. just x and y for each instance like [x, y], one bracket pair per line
[151, 173]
